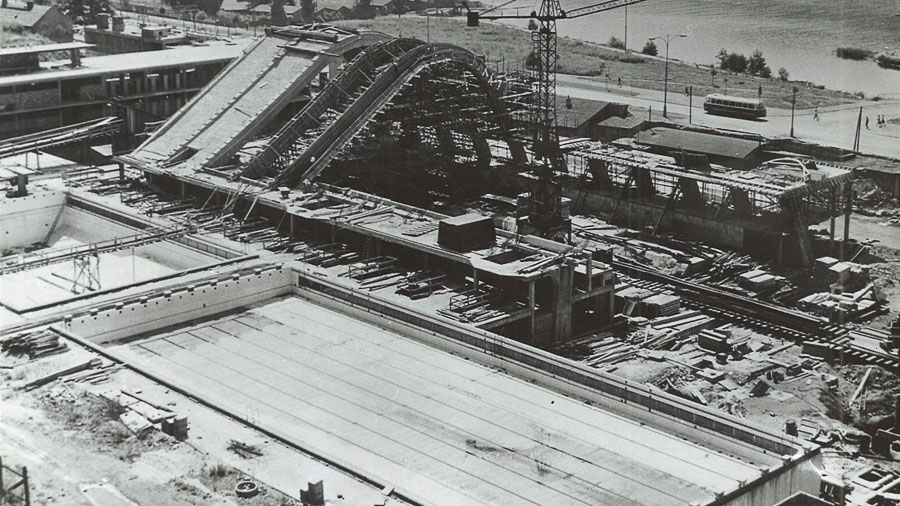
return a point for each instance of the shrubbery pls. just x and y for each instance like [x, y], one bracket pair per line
[650, 49]
[736, 62]
[615, 43]
[852, 53]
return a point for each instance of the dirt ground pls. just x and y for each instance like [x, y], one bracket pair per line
[78, 452]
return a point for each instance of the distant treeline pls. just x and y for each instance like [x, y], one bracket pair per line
[853, 53]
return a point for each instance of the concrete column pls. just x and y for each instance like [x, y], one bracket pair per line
[531, 309]
[780, 258]
[291, 225]
[848, 210]
[589, 269]
[832, 219]
[21, 181]
[562, 314]
[475, 278]
[612, 305]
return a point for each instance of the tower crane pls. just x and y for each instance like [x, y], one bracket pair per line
[545, 217]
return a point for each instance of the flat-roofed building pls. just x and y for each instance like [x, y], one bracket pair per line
[58, 94]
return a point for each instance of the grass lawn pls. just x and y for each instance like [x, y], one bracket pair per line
[501, 42]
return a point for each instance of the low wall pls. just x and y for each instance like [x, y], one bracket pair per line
[27, 220]
[180, 305]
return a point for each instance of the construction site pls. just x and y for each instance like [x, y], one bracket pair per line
[359, 269]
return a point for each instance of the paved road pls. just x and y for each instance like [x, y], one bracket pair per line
[836, 125]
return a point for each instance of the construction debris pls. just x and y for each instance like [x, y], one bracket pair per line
[38, 344]
[244, 450]
[96, 362]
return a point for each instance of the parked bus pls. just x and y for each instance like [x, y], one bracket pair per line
[738, 107]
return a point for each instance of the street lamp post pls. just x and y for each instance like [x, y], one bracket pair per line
[667, 39]
[793, 101]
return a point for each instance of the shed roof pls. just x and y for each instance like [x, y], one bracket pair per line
[698, 142]
[629, 121]
[582, 111]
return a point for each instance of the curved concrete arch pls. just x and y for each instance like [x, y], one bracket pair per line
[404, 60]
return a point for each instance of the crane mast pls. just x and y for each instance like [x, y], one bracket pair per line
[546, 216]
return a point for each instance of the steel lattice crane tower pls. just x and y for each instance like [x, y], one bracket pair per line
[545, 216]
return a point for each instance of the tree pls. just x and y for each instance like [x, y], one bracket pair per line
[713, 72]
[733, 61]
[783, 74]
[531, 60]
[532, 25]
[279, 17]
[85, 11]
[210, 7]
[723, 58]
[756, 65]
[307, 10]
[568, 102]
[650, 48]
[615, 43]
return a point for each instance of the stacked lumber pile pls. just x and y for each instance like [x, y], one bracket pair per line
[828, 272]
[758, 280]
[838, 306]
[629, 299]
[36, 344]
[661, 305]
[721, 340]
[666, 332]
[597, 351]
[95, 375]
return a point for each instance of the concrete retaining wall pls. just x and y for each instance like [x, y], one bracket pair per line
[179, 306]
[26, 220]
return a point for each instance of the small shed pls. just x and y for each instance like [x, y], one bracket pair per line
[732, 152]
[576, 116]
[617, 127]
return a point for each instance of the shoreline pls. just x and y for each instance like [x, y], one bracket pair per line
[507, 46]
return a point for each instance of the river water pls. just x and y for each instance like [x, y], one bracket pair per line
[800, 35]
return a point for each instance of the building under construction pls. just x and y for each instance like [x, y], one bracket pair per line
[358, 274]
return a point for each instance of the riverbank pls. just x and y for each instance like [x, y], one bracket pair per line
[499, 42]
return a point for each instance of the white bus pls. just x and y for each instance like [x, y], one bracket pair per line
[739, 107]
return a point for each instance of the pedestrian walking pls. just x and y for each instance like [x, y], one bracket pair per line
[620, 82]
[816, 114]
[867, 122]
